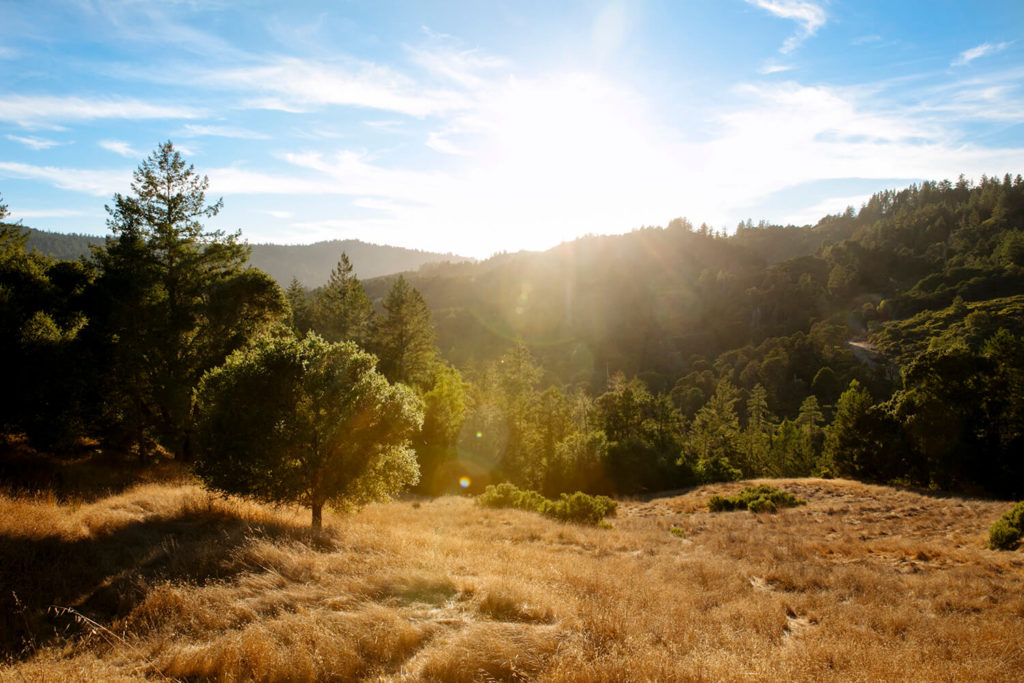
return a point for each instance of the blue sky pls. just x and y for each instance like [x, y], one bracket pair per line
[477, 127]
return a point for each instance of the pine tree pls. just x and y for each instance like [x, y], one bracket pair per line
[175, 300]
[343, 312]
[301, 311]
[404, 336]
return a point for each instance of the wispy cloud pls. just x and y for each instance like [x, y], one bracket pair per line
[810, 16]
[52, 213]
[867, 39]
[293, 84]
[222, 132]
[36, 111]
[99, 183]
[968, 56]
[774, 69]
[120, 147]
[34, 142]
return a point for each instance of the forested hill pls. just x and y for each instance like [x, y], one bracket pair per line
[682, 307]
[311, 264]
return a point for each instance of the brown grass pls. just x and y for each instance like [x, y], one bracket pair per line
[865, 583]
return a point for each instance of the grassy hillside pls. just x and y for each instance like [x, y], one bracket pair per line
[862, 583]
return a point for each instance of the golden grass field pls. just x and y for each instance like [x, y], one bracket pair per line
[864, 583]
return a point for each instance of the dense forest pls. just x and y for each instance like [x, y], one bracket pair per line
[882, 344]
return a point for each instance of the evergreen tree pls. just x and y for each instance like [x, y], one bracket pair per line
[301, 311]
[174, 300]
[342, 310]
[757, 437]
[850, 443]
[714, 444]
[404, 337]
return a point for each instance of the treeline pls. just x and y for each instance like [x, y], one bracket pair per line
[643, 362]
[309, 263]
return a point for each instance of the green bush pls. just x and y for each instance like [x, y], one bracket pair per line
[762, 504]
[1004, 534]
[761, 498]
[577, 507]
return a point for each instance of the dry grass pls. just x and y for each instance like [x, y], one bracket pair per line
[864, 583]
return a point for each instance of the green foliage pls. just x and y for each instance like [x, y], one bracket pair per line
[341, 311]
[173, 301]
[762, 498]
[307, 422]
[1007, 530]
[578, 507]
[404, 337]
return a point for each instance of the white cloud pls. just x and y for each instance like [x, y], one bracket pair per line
[120, 147]
[52, 213]
[968, 56]
[34, 142]
[283, 215]
[32, 111]
[223, 132]
[294, 84]
[810, 16]
[774, 69]
[101, 183]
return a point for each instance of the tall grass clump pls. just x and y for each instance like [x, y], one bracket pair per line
[761, 498]
[1008, 529]
[578, 507]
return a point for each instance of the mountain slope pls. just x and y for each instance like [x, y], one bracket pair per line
[310, 263]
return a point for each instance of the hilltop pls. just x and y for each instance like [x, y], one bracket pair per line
[310, 264]
[184, 584]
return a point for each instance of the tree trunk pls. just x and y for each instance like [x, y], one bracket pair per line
[318, 515]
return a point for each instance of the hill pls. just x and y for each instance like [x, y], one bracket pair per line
[167, 581]
[311, 264]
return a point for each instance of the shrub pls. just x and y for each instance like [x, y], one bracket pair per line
[578, 507]
[761, 498]
[1004, 534]
[762, 504]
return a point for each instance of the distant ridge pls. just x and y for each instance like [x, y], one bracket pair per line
[310, 263]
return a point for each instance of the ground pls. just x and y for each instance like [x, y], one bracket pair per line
[167, 581]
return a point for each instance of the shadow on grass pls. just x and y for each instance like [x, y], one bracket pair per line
[85, 473]
[105, 576]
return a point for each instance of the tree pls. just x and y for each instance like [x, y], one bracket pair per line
[714, 443]
[404, 337]
[173, 301]
[342, 310]
[444, 411]
[298, 304]
[305, 421]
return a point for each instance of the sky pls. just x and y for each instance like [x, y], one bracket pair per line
[481, 127]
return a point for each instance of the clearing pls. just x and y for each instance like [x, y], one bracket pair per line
[864, 583]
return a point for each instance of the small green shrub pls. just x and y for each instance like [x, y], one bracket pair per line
[761, 498]
[501, 496]
[677, 532]
[1004, 534]
[578, 507]
[762, 504]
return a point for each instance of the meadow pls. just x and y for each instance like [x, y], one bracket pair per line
[166, 581]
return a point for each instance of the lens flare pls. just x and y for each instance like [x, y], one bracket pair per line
[479, 435]
[464, 482]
